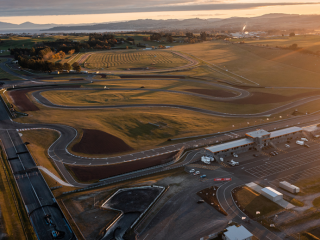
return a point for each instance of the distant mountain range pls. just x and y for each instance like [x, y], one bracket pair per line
[25, 25]
[265, 22]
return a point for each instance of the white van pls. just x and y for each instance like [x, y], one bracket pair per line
[301, 143]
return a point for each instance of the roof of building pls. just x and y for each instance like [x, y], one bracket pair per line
[271, 192]
[285, 131]
[237, 233]
[258, 133]
[228, 145]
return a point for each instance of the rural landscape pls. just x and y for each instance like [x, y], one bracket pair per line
[198, 128]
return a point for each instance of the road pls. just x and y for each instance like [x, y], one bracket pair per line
[36, 195]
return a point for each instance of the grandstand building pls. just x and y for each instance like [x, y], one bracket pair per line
[255, 140]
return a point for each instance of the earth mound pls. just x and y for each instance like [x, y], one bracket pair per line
[99, 142]
[94, 173]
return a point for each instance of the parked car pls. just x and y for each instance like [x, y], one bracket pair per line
[197, 173]
[235, 155]
[233, 163]
[301, 143]
[192, 171]
[200, 201]
[203, 176]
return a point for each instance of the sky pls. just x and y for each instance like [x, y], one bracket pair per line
[98, 11]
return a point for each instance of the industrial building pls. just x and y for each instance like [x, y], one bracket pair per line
[237, 233]
[255, 140]
[271, 194]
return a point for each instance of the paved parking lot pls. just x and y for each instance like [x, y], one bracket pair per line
[295, 157]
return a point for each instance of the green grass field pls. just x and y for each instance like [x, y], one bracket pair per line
[5, 75]
[252, 202]
[134, 59]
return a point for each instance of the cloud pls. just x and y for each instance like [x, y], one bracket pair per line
[71, 7]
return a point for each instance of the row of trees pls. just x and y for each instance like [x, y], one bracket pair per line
[47, 66]
[169, 38]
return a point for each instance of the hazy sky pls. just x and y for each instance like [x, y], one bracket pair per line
[94, 11]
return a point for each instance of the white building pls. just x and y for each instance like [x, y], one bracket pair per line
[237, 233]
[271, 194]
[289, 187]
[255, 140]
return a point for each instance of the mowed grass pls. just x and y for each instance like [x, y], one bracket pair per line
[40, 141]
[5, 75]
[134, 59]
[133, 125]
[310, 185]
[252, 202]
[245, 61]
[172, 84]
[310, 42]
[124, 97]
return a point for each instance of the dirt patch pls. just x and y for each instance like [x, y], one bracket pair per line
[88, 174]
[212, 92]
[257, 98]
[21, 100]
[83, 212]
[98, 142]
[102, 75]
[209, 195]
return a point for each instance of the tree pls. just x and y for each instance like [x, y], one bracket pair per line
[155, 36]
[189, 35]
[292, 34]
[66, 66]
[203, 36]
[294, 46]
[76, 67]
[58, 66]
[169, 39]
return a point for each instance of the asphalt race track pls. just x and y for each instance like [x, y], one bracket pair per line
[38, 197]
[37, 95]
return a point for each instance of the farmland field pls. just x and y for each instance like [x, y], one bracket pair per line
[267, 67]
[134, 59]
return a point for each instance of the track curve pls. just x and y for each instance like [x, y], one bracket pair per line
[42, 100]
